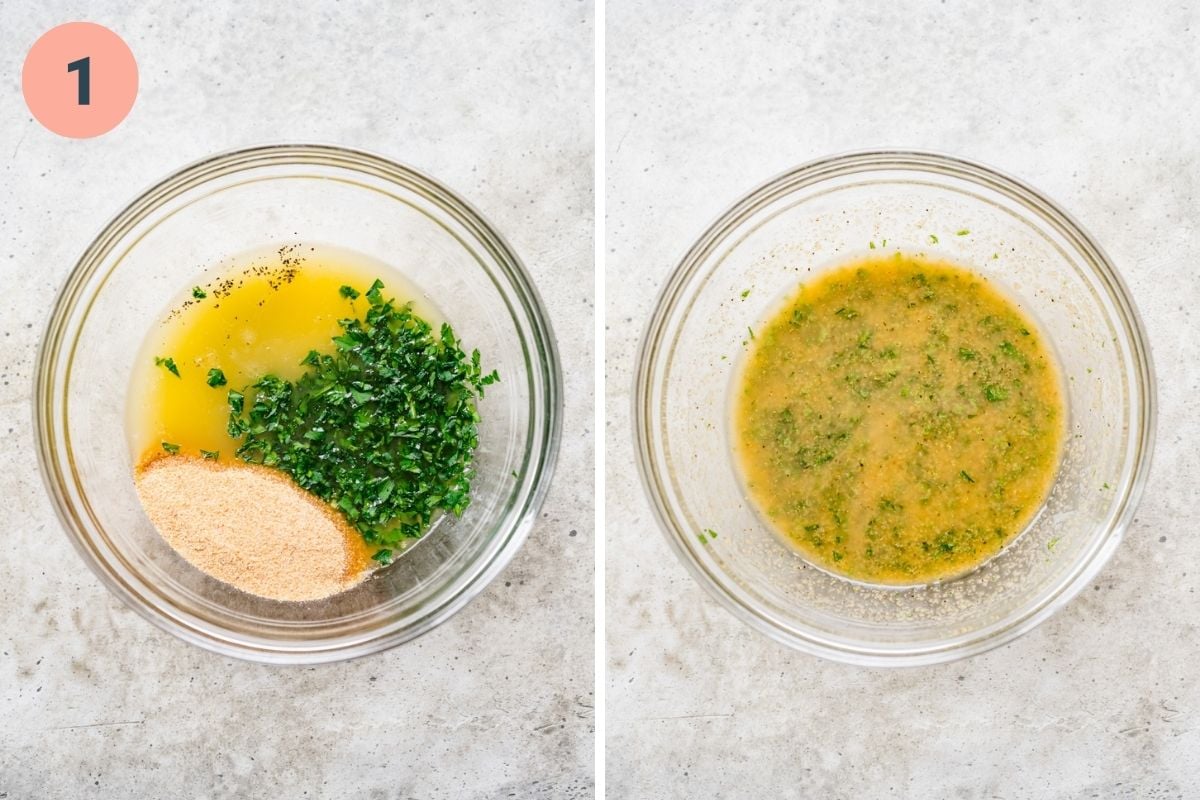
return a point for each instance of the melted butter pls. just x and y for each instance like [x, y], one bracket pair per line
[260, 316]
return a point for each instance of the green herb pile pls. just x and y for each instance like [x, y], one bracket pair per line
[384, 428]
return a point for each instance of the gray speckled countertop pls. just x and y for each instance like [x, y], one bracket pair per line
[493, 99]
[1100, 108]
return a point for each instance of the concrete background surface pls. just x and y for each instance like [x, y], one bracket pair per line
[496, 101]
[1099, 106]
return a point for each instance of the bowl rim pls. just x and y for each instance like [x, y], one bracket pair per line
[805, 175]
[543, 357]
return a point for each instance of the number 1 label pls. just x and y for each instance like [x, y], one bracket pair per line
[84, 67]
[77, 101]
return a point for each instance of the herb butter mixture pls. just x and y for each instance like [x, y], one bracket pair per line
[899, 420]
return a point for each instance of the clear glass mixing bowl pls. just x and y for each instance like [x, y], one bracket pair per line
[239, 202]
[817, 217]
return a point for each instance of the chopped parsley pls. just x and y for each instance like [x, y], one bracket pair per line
[212, 455]
[169, 363]
[962, 232]
[216, 378]
[199, 293]
[375, 293]
[170, 448]
[349, 292]
[933, 239]
[384, 428]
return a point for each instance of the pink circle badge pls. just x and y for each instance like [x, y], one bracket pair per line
[80, 80]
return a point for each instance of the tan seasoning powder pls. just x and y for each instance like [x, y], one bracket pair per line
[252, 527]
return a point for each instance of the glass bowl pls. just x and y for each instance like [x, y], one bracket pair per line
[239, 202]
[817, 217]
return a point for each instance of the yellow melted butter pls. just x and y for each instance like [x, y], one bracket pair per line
[898, 420]
[261, 315]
